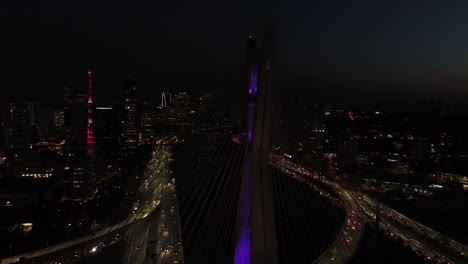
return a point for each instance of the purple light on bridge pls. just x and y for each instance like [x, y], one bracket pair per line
[253, 82]
[250, 121]
[242, 253]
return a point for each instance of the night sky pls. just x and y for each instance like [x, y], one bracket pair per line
[329, 49]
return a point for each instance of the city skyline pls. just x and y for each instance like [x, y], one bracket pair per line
[241, 132]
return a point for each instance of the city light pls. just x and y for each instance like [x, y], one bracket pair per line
[329, 139]
[89, 129]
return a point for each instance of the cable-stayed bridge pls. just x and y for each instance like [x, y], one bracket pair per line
[242, 202]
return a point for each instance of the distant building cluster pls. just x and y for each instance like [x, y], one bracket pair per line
[402, 145]
[77, 143]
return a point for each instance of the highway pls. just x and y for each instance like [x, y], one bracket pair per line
[147, 200]
[347, 240]
[418, 236]
[169, 236]
[158, 188]
[136, 238]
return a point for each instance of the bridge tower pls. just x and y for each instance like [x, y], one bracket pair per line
[256, 238]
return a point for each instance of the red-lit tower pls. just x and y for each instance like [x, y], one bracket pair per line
[89, 128]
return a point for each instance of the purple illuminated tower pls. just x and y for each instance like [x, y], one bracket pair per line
[256, 238]
[242, 250]
[251, 66]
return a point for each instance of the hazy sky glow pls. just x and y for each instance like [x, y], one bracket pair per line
[414, 47]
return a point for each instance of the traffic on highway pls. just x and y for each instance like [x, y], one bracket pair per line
[147, 199]
[361, 208]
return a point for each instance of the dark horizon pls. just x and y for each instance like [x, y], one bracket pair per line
[360, 50]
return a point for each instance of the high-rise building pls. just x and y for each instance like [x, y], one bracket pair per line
[4, 126]
[149, 118]
[347, 154]
[75, 118]
[89, 120]
[24, 122]
[44, 115]
[130, 120]
[78, 170]
[59, 121]
[17, 119]
[79, 178]
[204, 102]
[182, 103]
[106, 129]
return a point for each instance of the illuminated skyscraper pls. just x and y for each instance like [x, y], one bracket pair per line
[21, 120]
[148, 121]
[24, 122]
[106, 130]
[79, 176]
[182, 103]
[44, 119]
[89, 122]
[75, 117]
[4, 127]
[130, 116]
